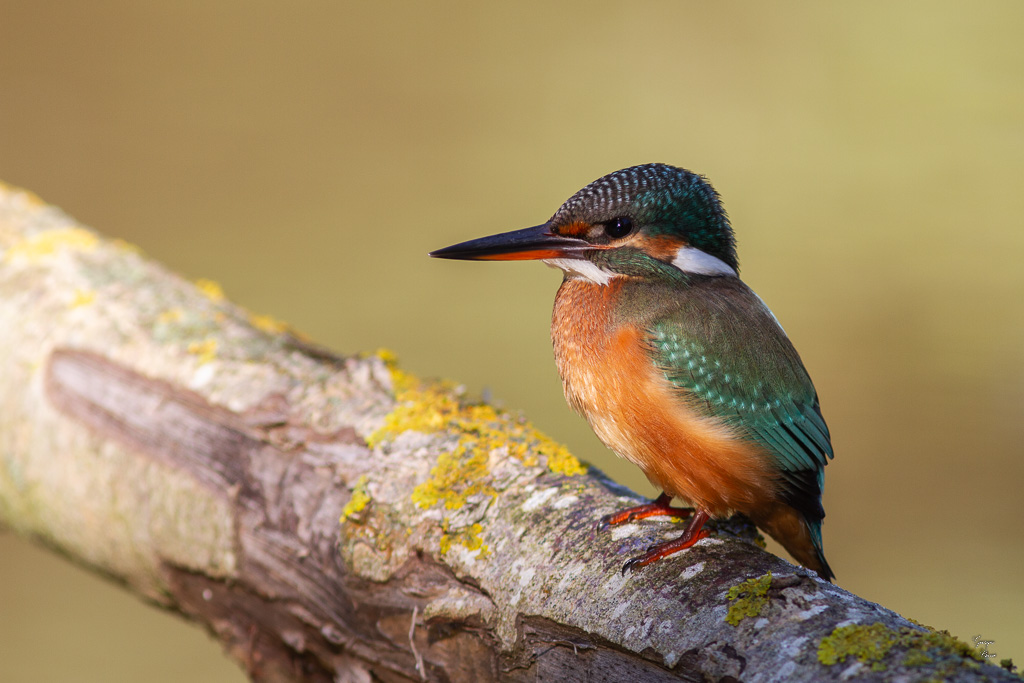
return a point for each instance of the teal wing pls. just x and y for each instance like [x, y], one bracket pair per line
[724, 347]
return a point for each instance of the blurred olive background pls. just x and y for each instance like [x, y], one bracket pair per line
[308, 156]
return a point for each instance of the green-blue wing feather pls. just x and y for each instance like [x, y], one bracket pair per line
[723, 347]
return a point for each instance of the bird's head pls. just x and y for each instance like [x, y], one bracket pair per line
[641, 221]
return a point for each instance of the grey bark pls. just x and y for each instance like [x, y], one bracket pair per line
[204, 458]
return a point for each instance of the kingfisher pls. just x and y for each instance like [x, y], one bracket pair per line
[677, 365]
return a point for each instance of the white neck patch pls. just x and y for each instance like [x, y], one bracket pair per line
[693, 260]
[582, 268]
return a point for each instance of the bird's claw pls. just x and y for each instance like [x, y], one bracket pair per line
[649, 556]
[659, 551]
[614, 519]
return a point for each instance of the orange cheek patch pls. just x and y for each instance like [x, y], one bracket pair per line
[662, 248]
[577, 229]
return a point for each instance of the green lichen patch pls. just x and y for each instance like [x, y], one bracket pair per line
[358, 502]
[940, 641]
[865, 643]
[747, 599]
[870, 644]
[917, 658]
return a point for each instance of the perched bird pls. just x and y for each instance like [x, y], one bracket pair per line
[677, 365]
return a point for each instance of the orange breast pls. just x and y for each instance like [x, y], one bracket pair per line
[609, 378]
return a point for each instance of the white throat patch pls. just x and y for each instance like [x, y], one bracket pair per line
[581, 268]
[693, 260]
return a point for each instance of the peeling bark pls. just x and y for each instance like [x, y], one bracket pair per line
[331, 518]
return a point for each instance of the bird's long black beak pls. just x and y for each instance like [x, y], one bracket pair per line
[519, 245]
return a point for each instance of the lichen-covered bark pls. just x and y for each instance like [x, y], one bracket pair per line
[336, 519]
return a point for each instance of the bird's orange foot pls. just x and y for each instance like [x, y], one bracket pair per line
[662, 505]
[691, 535]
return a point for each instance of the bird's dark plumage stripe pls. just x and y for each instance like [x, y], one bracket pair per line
[803, 491]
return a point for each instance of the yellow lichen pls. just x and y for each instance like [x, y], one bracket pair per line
[30, 198]
[49, 242]
[401, 381]
[748, 598]
[206, 349]
[359, 500]
[171, 315]
[468, 537]
[482, 429]
[457, 476]
[125, 245]
[560, 459]
[464, 472]
[436, 407]
[389, 357]
[211, 290]
[267, 323]
[82, 297]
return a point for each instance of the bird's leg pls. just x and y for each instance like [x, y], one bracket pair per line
[691, 535]
[662, 505]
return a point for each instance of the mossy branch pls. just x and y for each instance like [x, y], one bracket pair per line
[333, 518]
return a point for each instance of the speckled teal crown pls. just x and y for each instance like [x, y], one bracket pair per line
[662, 200]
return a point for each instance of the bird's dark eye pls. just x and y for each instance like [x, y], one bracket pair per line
[619, 227]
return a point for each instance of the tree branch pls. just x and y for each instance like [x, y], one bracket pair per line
[333, 518]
